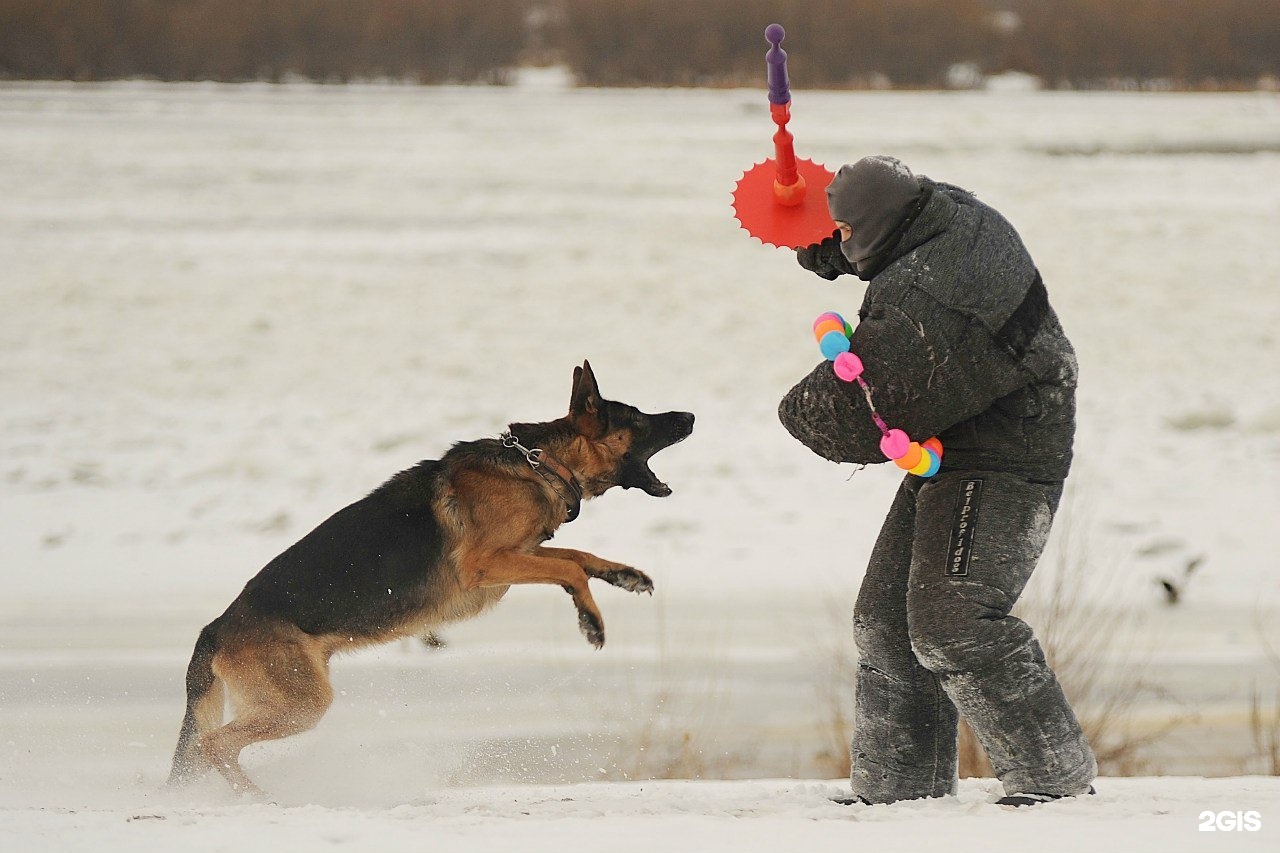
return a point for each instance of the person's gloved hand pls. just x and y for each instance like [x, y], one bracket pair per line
[825, 258]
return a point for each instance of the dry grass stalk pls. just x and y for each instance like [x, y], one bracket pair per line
[1088, 647]
[1264, 726]
[1264, 723]
[835, 693]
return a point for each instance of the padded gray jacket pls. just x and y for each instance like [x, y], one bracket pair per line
[958, 340]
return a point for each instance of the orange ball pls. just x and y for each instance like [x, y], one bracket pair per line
[828, 325]
[911, 458]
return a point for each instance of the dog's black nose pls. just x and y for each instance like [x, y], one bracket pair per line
[684, 424]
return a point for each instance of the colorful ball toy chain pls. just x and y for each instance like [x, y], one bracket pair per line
[920, 458]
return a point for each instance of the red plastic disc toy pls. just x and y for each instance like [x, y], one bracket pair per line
[782, 201]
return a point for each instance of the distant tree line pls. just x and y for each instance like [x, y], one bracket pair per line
[1189, 43]
[832, 43]
[426, 41]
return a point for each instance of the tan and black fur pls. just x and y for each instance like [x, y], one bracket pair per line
[437, 543]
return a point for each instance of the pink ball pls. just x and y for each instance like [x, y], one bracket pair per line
[848, 366]
[895, 444]
[829, 315]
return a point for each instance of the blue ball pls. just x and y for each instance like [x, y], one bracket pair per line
[833, 343]
[934, 463]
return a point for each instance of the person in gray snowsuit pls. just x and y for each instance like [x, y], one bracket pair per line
[958, 340]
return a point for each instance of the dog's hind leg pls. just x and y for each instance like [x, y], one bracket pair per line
[279, 687]
[205, 698]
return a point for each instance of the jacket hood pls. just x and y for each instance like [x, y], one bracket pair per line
[874, 196]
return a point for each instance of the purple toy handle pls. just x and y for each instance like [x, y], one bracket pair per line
[776, 57]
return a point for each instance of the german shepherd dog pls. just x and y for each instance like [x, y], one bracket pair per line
[440, 542]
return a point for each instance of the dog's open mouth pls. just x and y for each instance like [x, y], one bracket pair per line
[673, 428]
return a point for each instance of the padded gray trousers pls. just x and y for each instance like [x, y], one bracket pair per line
[934, 637]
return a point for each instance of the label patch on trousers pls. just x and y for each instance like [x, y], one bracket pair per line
[966, 521]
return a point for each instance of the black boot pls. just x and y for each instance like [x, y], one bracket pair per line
[853, 800]
[1019, 800]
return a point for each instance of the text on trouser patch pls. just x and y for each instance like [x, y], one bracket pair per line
[966, 521]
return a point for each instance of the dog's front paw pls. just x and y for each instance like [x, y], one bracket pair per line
[591, 628]
[632, 580]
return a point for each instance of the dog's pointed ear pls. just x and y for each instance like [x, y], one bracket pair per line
[585, 403]
[586, 393]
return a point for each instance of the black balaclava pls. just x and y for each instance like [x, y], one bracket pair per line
[873, 195]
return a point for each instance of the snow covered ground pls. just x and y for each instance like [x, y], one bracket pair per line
[226, 312]
[1138, 815]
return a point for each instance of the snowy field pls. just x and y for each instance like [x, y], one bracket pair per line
[226, 312]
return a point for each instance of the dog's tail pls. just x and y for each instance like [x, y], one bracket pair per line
[204, 708]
